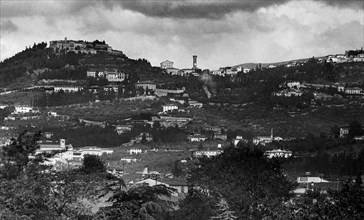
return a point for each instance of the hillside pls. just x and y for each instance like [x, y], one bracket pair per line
[42, 62]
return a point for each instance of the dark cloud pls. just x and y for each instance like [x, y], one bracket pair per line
[8, 27]
[356, 4]
[211, 9]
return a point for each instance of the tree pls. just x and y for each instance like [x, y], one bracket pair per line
[33, 191]
[198, 205]
[93, 164]
[355, 129]
[253, 186]
[142, 202]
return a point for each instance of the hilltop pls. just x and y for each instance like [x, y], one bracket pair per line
[69, 59]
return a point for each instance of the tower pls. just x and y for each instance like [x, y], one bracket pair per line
[271, 134]
[194, 62]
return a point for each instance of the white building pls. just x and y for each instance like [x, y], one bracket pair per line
[92, 150]
[278, 153]
[135, 151]
[310, 179]
[67, 153]
[353, 91]
[293, 84]
[207, 153]
[91, 73]
[170, 107]
[68, 89]
[115, 76]
[19, 109]
[197, 138]
[166, 64]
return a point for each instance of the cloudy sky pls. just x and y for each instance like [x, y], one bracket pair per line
[220, 32]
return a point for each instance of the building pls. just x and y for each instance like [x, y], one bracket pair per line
[166, 64]
[220, 136]
[65, 151]
[293, 84]
[169, 107]
[167, 92]
[344, 131]
[195, 104]
[93, 150]
[310, 179]
[21, 109]
[194, 62]
[115, 76]
[135, 151]
[146, 85]
[207, 153]
[128, 160]
[353, 91]
[139, 138]
[196, 138]
[278, 153]
[120, 129]
[68, 89]
[172, 71]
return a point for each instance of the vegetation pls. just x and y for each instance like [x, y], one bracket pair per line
[253, 186]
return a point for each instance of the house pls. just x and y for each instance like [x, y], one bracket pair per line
[68, 89]
[91, 73]
[238, 139]
[48, 135]
[115, 76]
[20, 109]
[111, 88]
[278, 153]
[67, 153]
[196, 138]
[293, 84]
[120, 129]
[166, 92]
[207, 153]
[139, 138]
[271, 66]
[172, 71]
[93, 150]
[146, 85]
[353, 91]
[135, 151]
[310, 179]
[128, 160]
[340, 88]
[220, 136]
[344, 131]
[169, 107]
[195, 104]
[166, 64]
[170, 121]
[265, 139]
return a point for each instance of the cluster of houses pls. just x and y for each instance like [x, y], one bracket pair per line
[297, 89]
[66, 154]
[79, 46]
[167, 66]
[111, 74]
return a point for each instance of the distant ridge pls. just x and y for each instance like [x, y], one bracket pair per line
[253, 65]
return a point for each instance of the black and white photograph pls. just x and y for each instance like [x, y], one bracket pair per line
[181, 109]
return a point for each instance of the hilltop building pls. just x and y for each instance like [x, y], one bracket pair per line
[166, 64]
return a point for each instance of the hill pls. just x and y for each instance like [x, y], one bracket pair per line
[254, 65]
[42, 62]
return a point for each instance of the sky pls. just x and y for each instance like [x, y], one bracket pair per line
[220, 32]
